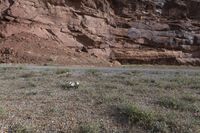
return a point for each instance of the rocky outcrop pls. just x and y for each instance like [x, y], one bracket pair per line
[100, 31]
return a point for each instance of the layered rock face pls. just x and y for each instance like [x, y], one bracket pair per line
[100, 31]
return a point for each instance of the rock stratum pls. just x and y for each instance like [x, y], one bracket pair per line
[100, 32]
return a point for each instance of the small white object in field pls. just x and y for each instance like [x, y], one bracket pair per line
[77, 83]
[72, 84]
[159, 11]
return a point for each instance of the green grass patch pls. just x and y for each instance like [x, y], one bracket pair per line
[28, 75]
[151, 122]
[62, 71]
[31, 84]
[31, 93]
[2, 112]
[177, 104]
[190, 98]
[92, 72]
[134, 115]
[89, 128]
[18, 128]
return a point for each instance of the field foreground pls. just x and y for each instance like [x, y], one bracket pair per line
[135, 100]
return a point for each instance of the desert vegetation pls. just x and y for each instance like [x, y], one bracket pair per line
[107, 100]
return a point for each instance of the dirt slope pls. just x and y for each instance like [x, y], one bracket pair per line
[100, 32]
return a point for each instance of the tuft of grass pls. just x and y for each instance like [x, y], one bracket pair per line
[151, 122]
[169, 102]
[176, 104]
[110, 86]
[190, 98]
[18, 128]
[32, 84]
[32, 93]
[92, 72]
[134, 115]
[2, 112]
[129, 83]
[113, 98]
[50, 110]
[62, 71]
[20, 68]
[27, 75]
[89, 128]
[195, 87]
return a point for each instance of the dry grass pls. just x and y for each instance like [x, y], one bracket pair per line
[106, 101]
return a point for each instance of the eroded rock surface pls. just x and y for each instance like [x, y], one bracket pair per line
[100, 31]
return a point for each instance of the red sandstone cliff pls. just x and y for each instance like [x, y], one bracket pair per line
[97, 32]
